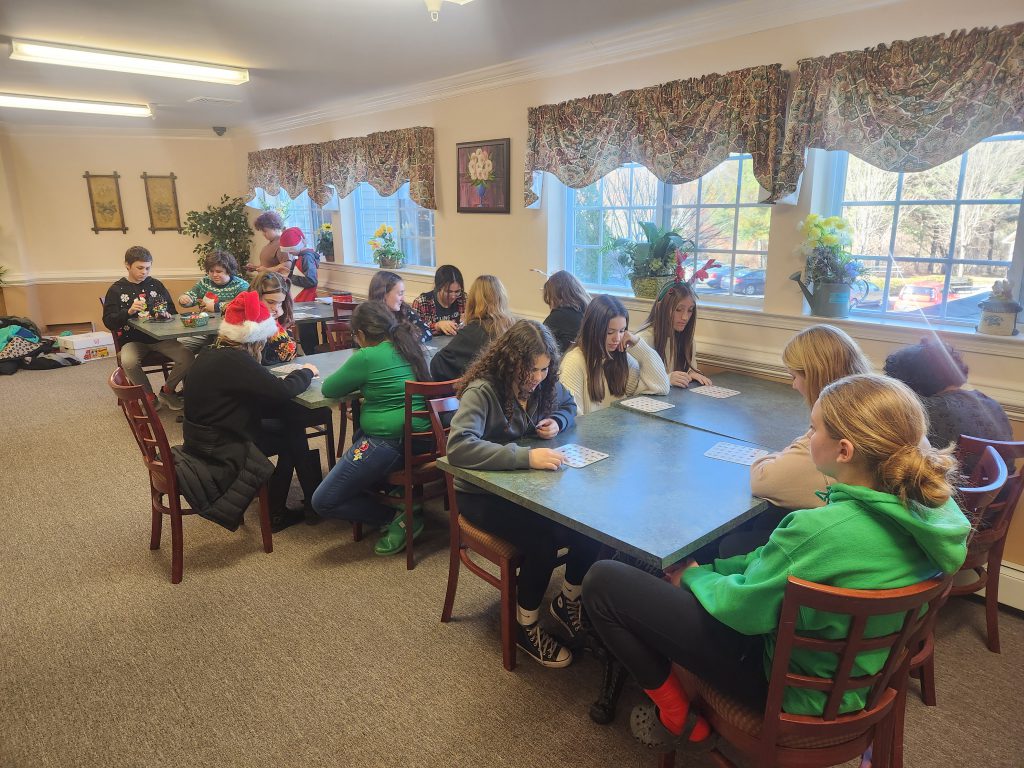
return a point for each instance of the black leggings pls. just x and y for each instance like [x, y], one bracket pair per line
[536, 537]
[647, 624]
[286, 438]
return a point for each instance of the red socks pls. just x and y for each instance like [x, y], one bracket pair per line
[674, 705]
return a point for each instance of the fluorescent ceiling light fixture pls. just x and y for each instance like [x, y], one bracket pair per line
[434, 6]
[22, 101]
[112, 61]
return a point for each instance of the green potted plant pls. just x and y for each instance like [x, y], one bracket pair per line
[226, 226]
[650, 265]
[385, 253]
[830, 269]
[999, 311]
[325, 241]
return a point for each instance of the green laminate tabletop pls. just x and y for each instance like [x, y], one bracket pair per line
[161, 330]
[765, 413]
[328, 362]
[312, 312]
[656, 496]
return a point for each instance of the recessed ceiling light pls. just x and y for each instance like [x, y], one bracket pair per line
[24, 101]
[113, 61]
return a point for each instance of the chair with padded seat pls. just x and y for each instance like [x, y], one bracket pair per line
[985, 549]
[466, 537]
[149, 434]
[419, 469]
[773, 737]
[976, 499]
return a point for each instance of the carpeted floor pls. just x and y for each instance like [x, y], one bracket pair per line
[318, 654]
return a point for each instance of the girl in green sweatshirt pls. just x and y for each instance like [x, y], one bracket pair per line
[889, 521]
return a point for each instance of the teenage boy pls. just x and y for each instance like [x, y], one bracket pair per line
[136, 294]
[214, 292]
[270, 225]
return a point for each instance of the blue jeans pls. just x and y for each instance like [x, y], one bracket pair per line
[342, 493]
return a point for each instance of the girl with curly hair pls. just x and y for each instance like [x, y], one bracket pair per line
[609, 363]
[669, 332]
[513, 392]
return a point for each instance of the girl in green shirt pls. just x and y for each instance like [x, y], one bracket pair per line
[889, 521]
[389, 355]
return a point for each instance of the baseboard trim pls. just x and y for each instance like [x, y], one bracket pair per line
[1011, 585]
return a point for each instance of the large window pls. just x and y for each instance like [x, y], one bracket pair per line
[300, 212]
[719, 212]
[935, 241]
[413, 225]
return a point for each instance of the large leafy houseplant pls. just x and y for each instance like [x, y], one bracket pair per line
[651, 262]
[227, 227]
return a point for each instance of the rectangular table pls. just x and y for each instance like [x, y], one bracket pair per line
[328, 362]
[765, 413]
[656, 496]
[305, 312]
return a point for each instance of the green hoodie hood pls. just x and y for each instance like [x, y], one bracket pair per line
[940, 532]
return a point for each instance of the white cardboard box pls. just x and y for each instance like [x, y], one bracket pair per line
[88, 346]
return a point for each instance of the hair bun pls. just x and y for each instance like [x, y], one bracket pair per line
[920, 474]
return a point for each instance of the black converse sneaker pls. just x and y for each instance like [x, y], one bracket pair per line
[544, 648]
[569, 614]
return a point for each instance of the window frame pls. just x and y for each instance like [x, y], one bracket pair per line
[405, 212]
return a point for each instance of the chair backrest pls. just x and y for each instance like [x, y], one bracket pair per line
[343, 309]
[986, 481]
[917, 604]
[429, 390]
[439, 408]
[998, 515]
[339, 335]
[148, 431]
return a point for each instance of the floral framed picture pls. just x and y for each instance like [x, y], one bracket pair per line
[105, 203]
[162, 201]
[483, 174]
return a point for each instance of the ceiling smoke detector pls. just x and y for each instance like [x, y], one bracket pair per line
[434, 6]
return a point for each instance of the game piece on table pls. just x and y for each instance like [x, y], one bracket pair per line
[737, 454]
[577, 456]
[710, 391]
[646, 404]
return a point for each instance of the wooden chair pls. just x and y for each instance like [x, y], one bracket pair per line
[985, 549]
[339, 337]
[976, 499]
[419, 469]
[775, 738]
[153, 362]
[343, 309]
[466, 538]
[156, 453]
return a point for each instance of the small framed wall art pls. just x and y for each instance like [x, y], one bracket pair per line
[162, 201]
[105, 202]
[483, 174]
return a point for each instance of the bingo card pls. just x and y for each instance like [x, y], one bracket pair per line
[577, 456]
[646, 404]
[737, 454]
[710, 391]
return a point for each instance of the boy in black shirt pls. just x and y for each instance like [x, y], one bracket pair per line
[136, 294]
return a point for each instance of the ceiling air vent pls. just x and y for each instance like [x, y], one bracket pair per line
[212, 100]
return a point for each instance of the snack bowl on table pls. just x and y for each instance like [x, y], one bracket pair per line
[195, 320]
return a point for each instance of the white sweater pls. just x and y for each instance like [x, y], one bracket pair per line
[647, 376]
[788, 479]
[647, 334]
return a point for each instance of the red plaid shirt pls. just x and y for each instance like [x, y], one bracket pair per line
[431, 311]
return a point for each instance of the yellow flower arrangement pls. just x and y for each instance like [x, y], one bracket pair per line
[385, 250]
[827, 243]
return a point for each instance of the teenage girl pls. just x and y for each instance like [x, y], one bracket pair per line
[388, 287]
[669, 331]
[815, 358]
[442, 309]
[487, 317]
[389, 354]
[513, 392]
[607, 362]
[889, 522]
[567, 299]
[272, 288]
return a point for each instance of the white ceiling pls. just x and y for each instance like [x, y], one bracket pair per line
[302, 55]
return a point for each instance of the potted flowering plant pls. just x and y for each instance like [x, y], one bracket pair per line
[325, 241]
[831, 269]
[385, 252]
[650, 265]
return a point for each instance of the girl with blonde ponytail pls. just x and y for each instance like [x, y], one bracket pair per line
[889, 521]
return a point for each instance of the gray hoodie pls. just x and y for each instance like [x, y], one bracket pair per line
[482, 438]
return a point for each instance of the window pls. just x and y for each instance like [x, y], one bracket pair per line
[719, 212]
[413, 225]
[935, 241]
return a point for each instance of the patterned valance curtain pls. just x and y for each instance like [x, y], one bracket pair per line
[385, 160]
[910, 106]
[679, 130]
